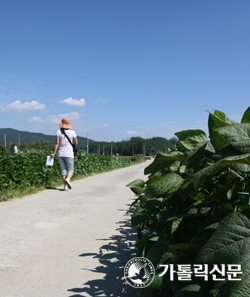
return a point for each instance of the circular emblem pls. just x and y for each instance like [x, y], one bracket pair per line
[139, 272]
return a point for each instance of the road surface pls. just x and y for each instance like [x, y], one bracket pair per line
[69, 243]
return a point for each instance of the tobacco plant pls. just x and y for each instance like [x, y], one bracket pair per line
[195, 208]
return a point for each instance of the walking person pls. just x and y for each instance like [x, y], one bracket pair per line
[65, 150]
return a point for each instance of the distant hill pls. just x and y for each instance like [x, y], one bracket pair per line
[25, 137]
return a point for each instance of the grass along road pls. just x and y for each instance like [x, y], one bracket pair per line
[69, 243]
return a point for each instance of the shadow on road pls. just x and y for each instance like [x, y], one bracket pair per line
[53, 188]
[113, 256]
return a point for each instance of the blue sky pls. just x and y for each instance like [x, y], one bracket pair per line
[122, 68]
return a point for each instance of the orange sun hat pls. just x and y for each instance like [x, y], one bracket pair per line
[64, 123]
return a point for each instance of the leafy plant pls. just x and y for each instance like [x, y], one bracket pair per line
[195, 208]
[22, 172]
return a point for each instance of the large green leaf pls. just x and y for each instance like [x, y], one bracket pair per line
[238, 288]
[246, 116]
[137, 186]
[220, 114]
[223, 117]
[190, 139]
[162, 161]
[154, 177]
[168, 184]
[240, 167]
[215, 122]
[217, 140]
[237, 135]
[200, 176]
[175, 225]
[230, 244]
[137, 183]
[138, 217]
[197, 154]
[174, 167]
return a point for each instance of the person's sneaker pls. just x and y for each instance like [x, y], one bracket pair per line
[65, 187]
[68, 183]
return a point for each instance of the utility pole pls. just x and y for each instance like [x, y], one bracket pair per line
[5, 139]
[103, 150]
[111, 149]
[19, 139]
[87, 143]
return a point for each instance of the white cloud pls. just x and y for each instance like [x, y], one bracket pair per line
[17, 106]
[35, 119]
[75, 102]
[52, 119]
[135, 132]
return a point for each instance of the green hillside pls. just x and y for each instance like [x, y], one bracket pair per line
[25, 137]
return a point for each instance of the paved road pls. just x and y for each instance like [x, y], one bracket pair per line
[69, 243]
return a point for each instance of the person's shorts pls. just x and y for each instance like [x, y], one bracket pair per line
[67, 164]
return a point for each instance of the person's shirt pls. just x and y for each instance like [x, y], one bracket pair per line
[65, 149]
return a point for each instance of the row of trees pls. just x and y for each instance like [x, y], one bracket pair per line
[38, 145]
[136, 145]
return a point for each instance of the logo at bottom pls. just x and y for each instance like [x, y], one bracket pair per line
[139, 272]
